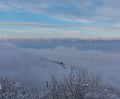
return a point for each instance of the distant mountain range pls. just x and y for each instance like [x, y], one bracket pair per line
[76, 43]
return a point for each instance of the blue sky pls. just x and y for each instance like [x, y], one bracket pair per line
[81, 19]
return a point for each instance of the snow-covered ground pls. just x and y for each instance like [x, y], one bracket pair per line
[35, 66]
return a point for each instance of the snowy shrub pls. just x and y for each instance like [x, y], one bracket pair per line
[12, 90]
[80, 85]
[77, 85]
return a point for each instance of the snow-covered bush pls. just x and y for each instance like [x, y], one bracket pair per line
[80, 85]
[77, 85]
[14, 90]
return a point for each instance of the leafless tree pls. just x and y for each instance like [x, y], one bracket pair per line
[80, 85]
[76, 85]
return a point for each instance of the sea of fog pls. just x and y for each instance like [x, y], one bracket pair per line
[34, 66]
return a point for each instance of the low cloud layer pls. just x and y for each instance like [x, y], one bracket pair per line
[35, 66]
[26, 65]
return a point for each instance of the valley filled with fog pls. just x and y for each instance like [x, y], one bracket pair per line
[34, 66]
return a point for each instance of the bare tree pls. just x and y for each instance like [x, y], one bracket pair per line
[76, 85]
[80, 85]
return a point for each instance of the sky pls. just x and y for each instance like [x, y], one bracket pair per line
[52, 19]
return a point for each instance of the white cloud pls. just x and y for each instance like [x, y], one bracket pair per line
[37, 31]
[5, 7]
[27, 65]
[93, 10]
[37, 25]
[29, 24]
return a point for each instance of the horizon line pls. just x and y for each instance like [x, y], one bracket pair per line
[48, 39]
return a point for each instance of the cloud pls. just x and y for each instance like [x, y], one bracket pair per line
[32, 66]
[104, 29]
[38, 25]
[5, 7]
[75, 10]
[24, 6]
[38, 31]
[26, 65]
